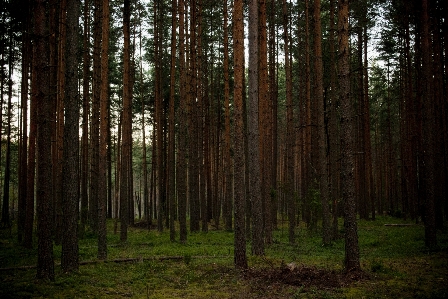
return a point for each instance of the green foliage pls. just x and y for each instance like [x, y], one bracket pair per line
[394, 258]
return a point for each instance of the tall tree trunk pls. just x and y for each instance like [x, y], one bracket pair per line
[158, 118]
[23, 155]
[127, 127]
[104, 115]
[183, 130]
[289, 180]
[228, 200]
[264, 124]
[40, 93]
[333, 128]
[273, 113]
[428, 132]
[347, 147]
[308, 154]
[31, 171]
[193, 154]
[95, 122]
[85, 122]
[322, 137]
[367, 138]
[253, 135]
[6, 221]
[58, 125]
[70, 178]
[240, 258]
[171, 135]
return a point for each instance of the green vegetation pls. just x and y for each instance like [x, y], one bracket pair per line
[394, 259]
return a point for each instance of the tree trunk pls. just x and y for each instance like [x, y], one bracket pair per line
[290, 140]
[171, 135]
[323, 148]
[104, 115]
[23, 155]
[40, 92]
[428, 131]
[6, 221]
[85, 122]
[183, 130]
[70, 178]
[240, 258]
[347, 146]
[264, 124]
[31, 171]
[228, 200]
[253, 135]
[127, 128]
[273, 114]
[95, 122]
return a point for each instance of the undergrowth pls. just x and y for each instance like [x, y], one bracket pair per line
[394, 258]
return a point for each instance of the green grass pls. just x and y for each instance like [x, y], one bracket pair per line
[395, 259]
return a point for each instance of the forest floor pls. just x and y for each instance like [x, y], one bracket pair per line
[395, 264]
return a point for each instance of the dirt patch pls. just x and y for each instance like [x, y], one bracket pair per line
[305, 277]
